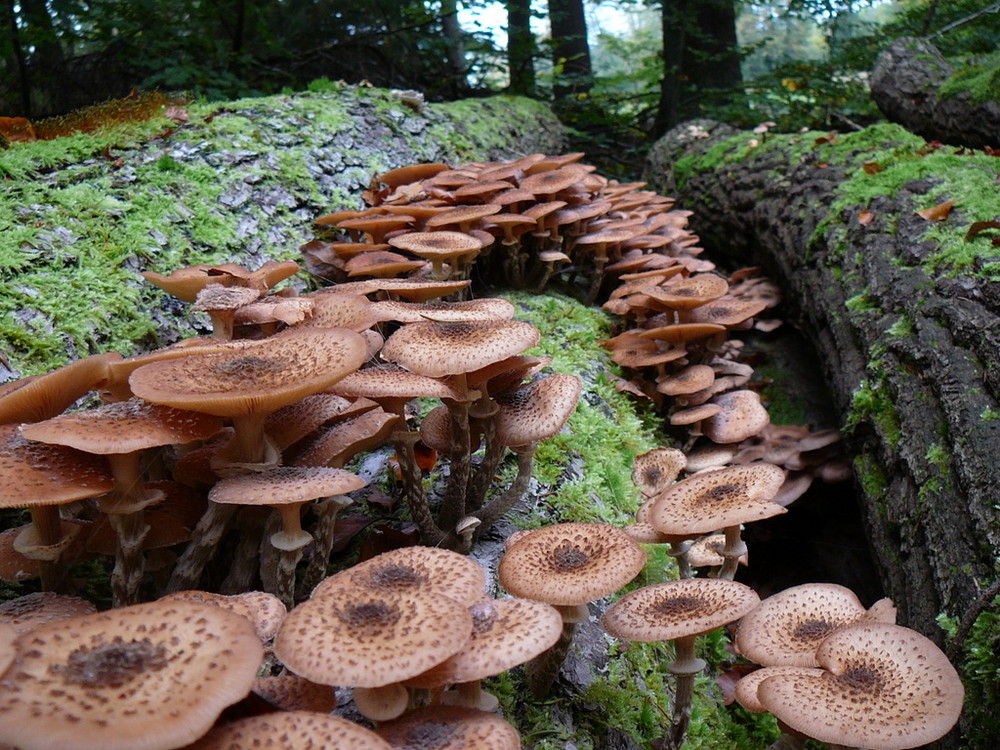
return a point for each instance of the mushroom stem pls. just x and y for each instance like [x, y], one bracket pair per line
[204, 540]
[495, 510]
[48, 528]
[248, 450]
[130, 564]
[735, 548]
[327, 510]
[679, 551]
[243, 569]
[544, 668]
[460, 463]
[289, 541]
[431, 534]
[685, 666]
[480, 483]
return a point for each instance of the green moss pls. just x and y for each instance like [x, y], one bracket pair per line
[871, 475]
[989, 413]
[861, 303]
[871, 402]
[978, 77]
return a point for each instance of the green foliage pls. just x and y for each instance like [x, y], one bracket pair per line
[979, 77]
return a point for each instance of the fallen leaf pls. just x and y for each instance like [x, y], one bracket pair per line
[17, 129]
[872, 167]
[981, 226]
[425, 455]
[866, 217]
[940, 212]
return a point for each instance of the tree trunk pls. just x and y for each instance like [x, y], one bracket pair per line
[905, 83]
[570, 49]
[456, 46]
[520, 48]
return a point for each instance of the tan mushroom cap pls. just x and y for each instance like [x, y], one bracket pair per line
[788, 627]
[44, 396]
[124, 427]
[414, 290]
[483, 308]
[381, 263]
[535, 411]
[450, 728]
[8, 635]
[439, 349]
[42, 474]
[885, 687]
[505, 633]
[291, 730]
[746, 689]
[656, 469]
[412, 570]
[691, 379]
[285, 484]
[289, 692]
[387, 380]
[365, 638]
[31, 610]
[742, 415]
[265, 611]
[253, 376]
[716, 499]
[707, 552]
[688, 292]
[675, 609]
[292, 423]
[569, 564]
[339, 310]
[438, 246]
[134, 678]
[339, 442]
[724, 311]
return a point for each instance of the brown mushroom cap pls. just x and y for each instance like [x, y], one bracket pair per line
[265, 611]
[289, 692]
[438, 246]
[535, 411]
[449, 728]
[8, 635]
[439, 349]
[483, 308]
[285, 484]
[291, 730]
[746, 689]
[367, 638]
[885, 687]
[44, 396]
[742, 415]
[716, 499]
[788, 627]
[387, 380]
[505, 633]
[570, 563]
[411, 570]
[674, 609]
[654, 470]
[125, 679]
[31, 610]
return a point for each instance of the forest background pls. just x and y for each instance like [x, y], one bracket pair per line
[618, 72]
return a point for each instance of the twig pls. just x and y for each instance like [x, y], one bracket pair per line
[981, 12]
[985, 600]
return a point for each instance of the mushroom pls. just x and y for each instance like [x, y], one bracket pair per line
[154, 676]
[679, 611]
[289, 692]
[567, 565]
[447, 727]
[291, 730]
[27, 612]
[882, 686]
[656, 469]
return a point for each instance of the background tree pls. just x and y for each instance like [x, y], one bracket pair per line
[572, 71]
[520, 47]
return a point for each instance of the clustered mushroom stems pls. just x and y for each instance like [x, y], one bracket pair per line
[685, 667]
[326, 512]
[205, 538]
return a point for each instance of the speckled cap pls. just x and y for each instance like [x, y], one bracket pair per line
[265, 611]
[656, 469]
[450, 728]
[412, 570]
[143, 677]
[884, 687]
[569, 564]
[284, 485]
[505, 633]
[674, 609]
[32, 610]
[788, 627]
[355, 637]
[716, 499]
[483, 308]
[536, 411]
[741, 416]
[745, 691]
[289, 692]
[291, 730]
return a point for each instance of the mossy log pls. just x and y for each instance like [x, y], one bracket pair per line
[906, 84]
[237, 181]
[903, 311]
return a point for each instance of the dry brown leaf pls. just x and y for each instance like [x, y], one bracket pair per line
[980, 226]
[866, 217]
[872, 167]
[940, 212]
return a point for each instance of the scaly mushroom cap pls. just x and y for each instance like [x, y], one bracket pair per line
[535, 411]
[570, 563]
[691, 379]
[746, 689]
[253, 377]
[143, 677]
[387, 380]
[265, 611]
[289, 692]
[285, 484]
[716, 499]
[294, 422]
[788, 627]
[440, 246]
[41, 474]
[124, 427]
[449, 728]
[439, 349]
[413, 570]
[742, 416]
[291, 730]
[364, 638]
[484, 308]
[885, 687]
[31, 610]
[505, 633]
[656, 469]
[8, 634]
[414, 290]
[674, 609]
[687, 292]
[333, 309]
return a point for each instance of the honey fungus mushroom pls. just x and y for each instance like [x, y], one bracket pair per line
[291, 730]
[146, 677]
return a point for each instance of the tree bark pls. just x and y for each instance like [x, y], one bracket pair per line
[904, 84]
[520, 48]
[570, 49]
[910, 357]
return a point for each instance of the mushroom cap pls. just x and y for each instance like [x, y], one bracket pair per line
[331, 309]
[654, 470]
[742, 416]
[44, 396]
[687, 292]
[413, 570]
[365, 638]
[483, 308]
[691, 379]
[253, 377]
[291, 730]
[41, 474]
[439, 349]
[788, 627]
[285, 484]
[675, 609]
[707, 552]
[449, 728]
[884, 687]
[387, 380]
[746, 689]
[338, 443]
[8, 635]
[535, 411]
[289, 692]
[125, 679]
[31, 610]
[265, 611]
[570, 563]
[716, 499]
[124, 427]
[505, 633]
[294, 422]
[437, 245]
